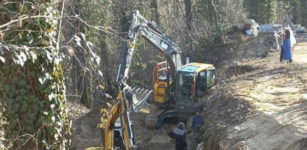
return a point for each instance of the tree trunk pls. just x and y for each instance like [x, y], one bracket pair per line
[215, 15]
[304, 12]
[105, 62]
[269, 12]
[154, 14]
[80, 76]
[188, 16]
[209, 12]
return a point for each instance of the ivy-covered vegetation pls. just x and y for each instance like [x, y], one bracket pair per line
[32, 91]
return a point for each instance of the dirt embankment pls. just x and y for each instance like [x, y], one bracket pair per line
[85, 131]
[239, 47]
[261, 104]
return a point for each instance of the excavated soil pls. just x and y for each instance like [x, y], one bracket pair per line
[85, 131]
[155, 139]
[86, 134]
[150, 139]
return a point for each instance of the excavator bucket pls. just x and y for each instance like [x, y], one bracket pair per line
[139, 98]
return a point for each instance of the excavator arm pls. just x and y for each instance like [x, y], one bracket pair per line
[132, 98]
[125, 131]
[138, 25]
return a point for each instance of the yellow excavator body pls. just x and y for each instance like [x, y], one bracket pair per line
[160, 92]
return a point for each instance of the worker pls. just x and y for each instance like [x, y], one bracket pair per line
[197, 122]
[292, 38]
[179, 136]
[286, 47]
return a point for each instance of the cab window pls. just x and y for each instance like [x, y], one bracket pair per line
[201, 81]
[185, 83]
[204, 83]
[210, 78]
[201, 84]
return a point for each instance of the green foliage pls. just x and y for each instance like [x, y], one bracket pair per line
[25, 31]
[97, 12]
[304, 12]
[263, 11]
[207, 45]
[95, 15]
[296, 9]
[266, 11]
[33, 102]
[32, 91]
[110, 16]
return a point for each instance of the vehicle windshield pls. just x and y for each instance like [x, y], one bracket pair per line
[185, 83]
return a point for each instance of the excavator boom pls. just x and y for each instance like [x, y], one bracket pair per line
[137, 25]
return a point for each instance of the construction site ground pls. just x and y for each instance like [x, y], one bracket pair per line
[260, 104]
[273, 98]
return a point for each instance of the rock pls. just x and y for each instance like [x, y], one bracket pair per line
[160, 139]
[243, 145]
[250, 27]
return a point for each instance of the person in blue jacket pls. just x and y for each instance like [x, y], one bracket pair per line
[179, 136]
[197, 122]
[286, 47]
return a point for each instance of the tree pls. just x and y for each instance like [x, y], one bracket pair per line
[304, 12]
[32, 90]
[188, 18]
[263, 11]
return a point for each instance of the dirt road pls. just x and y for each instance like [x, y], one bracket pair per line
[277, 92]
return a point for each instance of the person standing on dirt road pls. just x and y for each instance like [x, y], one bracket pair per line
[179, 136]
[286, 53]
[197, 122]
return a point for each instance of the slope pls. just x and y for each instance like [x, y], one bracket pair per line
[264, 108]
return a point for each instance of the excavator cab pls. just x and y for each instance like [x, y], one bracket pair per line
[195, 82]
[180, 97]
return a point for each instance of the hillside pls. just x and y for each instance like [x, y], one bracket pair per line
[263, 107]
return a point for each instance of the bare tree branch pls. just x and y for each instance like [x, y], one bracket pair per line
[25, 18]
[59, 27]
[2, 3]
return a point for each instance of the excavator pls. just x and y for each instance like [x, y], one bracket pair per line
[178, 90]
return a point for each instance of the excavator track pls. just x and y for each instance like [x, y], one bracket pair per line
[151, 118]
